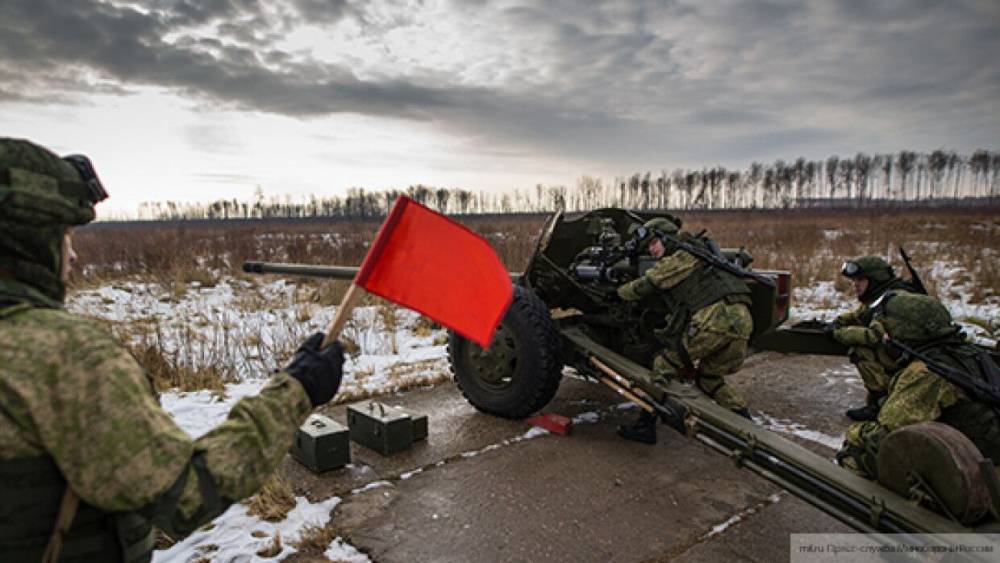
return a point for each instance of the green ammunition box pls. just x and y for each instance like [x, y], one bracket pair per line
[383, 429]
[322, 444]
[419, 426]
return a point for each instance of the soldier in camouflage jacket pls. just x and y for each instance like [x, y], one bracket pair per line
[872, 277]
[915, 394]
[82, 436]
[710, 324]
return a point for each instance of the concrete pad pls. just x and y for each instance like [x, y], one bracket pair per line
[481, 488]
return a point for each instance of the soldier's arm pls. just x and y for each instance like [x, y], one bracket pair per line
[95, 415]
[851, 318]
[232, 461]
[868, 336]
[665, 274]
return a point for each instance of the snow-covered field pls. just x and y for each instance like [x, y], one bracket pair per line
[248, 330]
[253, 328]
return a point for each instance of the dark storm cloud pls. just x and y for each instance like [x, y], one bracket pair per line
[43, 37]
[634, 83]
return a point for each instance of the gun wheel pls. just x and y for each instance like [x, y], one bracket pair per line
[520, 371]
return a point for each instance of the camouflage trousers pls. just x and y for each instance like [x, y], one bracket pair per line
[716, 344]
[859, 452]
[871, 368]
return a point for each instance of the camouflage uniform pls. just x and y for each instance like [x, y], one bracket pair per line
[851, 328]
[915, 393]
[77, 411]
[714, 339]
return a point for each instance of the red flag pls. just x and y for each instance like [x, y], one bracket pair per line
[431, 264]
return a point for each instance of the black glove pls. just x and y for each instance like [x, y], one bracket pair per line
[829, 328]
[319, 371]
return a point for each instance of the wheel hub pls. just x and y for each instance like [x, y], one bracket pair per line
[496, 365]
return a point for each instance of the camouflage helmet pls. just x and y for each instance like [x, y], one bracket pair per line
[655, 227]
[913, 318]
[874, 268]
[41, 195]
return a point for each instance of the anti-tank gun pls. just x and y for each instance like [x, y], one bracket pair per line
[565, 313]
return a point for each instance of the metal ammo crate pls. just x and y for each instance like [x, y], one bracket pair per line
[322, 444]
[386, 430]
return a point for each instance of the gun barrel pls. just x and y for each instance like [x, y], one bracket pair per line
[335, 272]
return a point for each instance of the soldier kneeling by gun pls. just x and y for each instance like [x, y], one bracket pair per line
[872, 277]
[710, 320]
[935, 375]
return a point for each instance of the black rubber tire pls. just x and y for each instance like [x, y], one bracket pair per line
[531, 368]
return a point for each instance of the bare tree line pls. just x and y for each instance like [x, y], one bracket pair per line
[862, 180]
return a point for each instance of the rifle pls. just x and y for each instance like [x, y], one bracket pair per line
[915, 280]
[714, 261]
[973, 386]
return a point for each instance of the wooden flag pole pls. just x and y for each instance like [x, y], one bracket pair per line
[347, 304]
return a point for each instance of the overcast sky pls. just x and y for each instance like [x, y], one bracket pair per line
[207, 99]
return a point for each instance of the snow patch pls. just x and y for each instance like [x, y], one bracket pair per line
[845, 374]
[370, 486]
[197, 412]
[587, 418]
[408, 474]
[739, 517]
[344, 553]
[792, 428]
[238, 536]
[534, 432]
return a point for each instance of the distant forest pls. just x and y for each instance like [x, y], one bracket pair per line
[864, 180]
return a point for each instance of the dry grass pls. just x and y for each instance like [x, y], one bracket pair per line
[423, 327]
[397, 372]
[314, 538]
[176, 369]
[207, 548]
[800, 240]
[181, 253]
[161, 540]
[390, 323]
[274, 499]
[272, 548]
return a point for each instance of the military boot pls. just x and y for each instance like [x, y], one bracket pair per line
[867, 412]
[642, 430]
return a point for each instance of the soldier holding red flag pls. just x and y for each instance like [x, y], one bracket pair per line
[89, 461]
